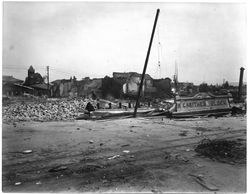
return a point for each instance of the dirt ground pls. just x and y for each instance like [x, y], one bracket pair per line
[134, 154]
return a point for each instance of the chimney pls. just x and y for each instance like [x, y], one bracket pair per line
[240, 82]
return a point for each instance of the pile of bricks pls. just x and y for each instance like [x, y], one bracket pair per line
[45, 111]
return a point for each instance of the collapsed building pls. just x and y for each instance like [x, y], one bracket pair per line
[12, 86]
[64, 88]
[131, 86]
[90, 87]
[151, 87]
[73, 88]
[33, 77]
[36, 82]
[121, 85]
[187, 89]
[130, 83]
[33, 85]
[163, 88]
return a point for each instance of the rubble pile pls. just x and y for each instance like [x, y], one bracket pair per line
[223, 150]
[45, 111]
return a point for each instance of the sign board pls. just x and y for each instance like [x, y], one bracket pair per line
[202, 104]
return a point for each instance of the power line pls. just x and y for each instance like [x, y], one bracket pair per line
[26, 69]
[48, 78]
[20, 68]
[158, 48]
[53, 70]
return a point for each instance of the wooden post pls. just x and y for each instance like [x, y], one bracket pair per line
[48, 81]
[146, 62]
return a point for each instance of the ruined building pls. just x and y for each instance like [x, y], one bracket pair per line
[131, 81]
[72, 88]
[12, 86]
[64, 88]
[33, 78]
[160, 88]
[35, 81]
[90, 87]
[121, 85]
[163, 88]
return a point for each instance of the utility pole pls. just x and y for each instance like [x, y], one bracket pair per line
[48, 80]
[146, 62]
[176, 77]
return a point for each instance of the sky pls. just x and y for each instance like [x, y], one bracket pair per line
[206, 41]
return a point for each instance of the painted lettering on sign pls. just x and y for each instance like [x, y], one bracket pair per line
[201, 104]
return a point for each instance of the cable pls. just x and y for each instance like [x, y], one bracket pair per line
[53, 70]
[159, 48]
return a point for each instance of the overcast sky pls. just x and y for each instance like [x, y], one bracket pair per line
[207, 41]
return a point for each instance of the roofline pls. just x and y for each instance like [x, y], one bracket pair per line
[24, 86]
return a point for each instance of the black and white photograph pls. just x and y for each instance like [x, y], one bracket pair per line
[124, 97]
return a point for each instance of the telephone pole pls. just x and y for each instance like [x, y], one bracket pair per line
[48, 80]
[146, 63]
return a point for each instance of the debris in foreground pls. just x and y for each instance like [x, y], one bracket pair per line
[124, 145]
[223, 150]
[58, 168]
[27, 151]
[183, 133]
[38, 183]
[203, 183]
[113, 157]
[61, 109]
[156, 191]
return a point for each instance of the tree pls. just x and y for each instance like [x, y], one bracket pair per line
[203, 87]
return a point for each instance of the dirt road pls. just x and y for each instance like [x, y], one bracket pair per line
[142, 154]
